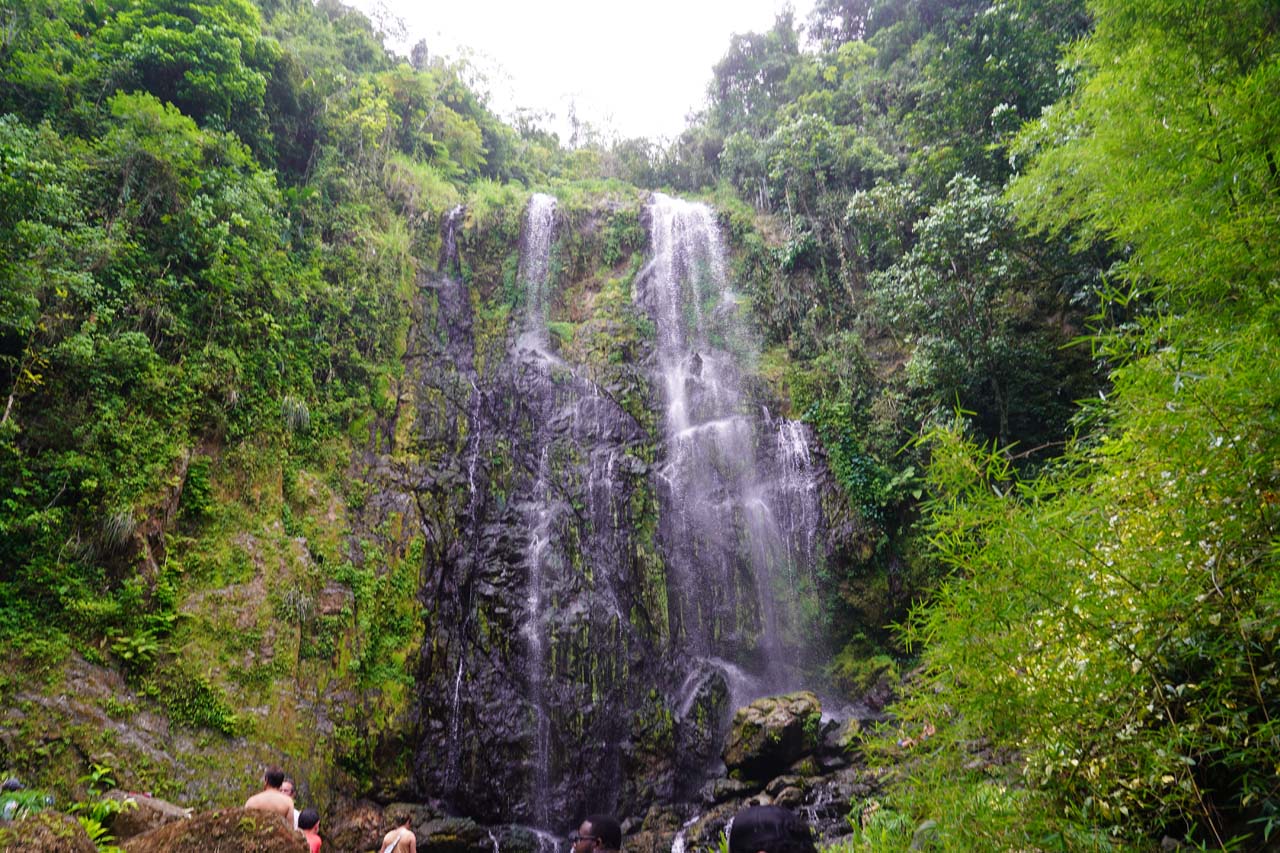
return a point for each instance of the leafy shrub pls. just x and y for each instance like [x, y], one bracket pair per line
[192, 700]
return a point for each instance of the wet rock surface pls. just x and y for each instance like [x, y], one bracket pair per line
[618, 544]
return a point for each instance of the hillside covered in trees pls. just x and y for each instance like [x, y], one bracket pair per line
[1014, 264]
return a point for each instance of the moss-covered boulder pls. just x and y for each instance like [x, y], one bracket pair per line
[225, 831]
[453, 835]
[45, 832]
[772, 733]
[704, 833]
[722, 790]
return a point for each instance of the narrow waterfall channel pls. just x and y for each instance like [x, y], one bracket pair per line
[544, 506]
[574, 627]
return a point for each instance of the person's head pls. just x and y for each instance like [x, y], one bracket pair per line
[286, 787]
[274, 777]
[308, 818]
[597, 832]
[402, 819]
[769, 829]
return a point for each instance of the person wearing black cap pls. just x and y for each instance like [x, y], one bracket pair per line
[769, 829]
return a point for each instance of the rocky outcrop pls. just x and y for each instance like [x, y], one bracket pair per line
[142, 814]
[453, 835]
[360, 827]
[771, 734]
[45, 832]
[225, 831]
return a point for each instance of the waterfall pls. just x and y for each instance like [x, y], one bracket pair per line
[535, 269]
[591, 574]
[449, 239]
[575, 550]
[797, 491]
[727, 528]
[541, 514]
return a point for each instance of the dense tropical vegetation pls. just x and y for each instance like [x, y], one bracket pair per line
[1016, 261]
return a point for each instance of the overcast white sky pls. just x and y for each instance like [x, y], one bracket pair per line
[630, 68]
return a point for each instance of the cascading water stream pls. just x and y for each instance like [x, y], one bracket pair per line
[725, 531]
[541, 513]
[797, 489]
[535, 269]
[449, 239]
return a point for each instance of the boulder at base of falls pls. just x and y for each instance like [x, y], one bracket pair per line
[225, 831]
[142, 814]
[771, 734]
[359, 827]
[722, 790]
[453, 835]
[45, 832]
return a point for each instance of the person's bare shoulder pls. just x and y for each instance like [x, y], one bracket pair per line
[271, 801]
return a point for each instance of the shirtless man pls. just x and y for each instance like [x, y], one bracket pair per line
[271, 798]
[401, 839]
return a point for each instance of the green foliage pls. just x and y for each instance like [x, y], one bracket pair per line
[876, 827]
[16, 804]
[864, 480]
[99, 834]
[136, 651]
[100, 778]
[207, 57]
[857, 668]
[191, 700]
[624, 234]
[956, 295]
[197, 491]
[1133, 721]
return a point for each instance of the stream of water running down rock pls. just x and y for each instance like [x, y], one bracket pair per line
[733, 494]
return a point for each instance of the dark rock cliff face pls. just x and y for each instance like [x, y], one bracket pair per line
[598, 589]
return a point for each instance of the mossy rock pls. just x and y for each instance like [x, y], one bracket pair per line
[807, 767]
[855, 673]
[771, 734]
[453, 835]
[650, 841]
[225, 831]
[46, 832]
[848, 738]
